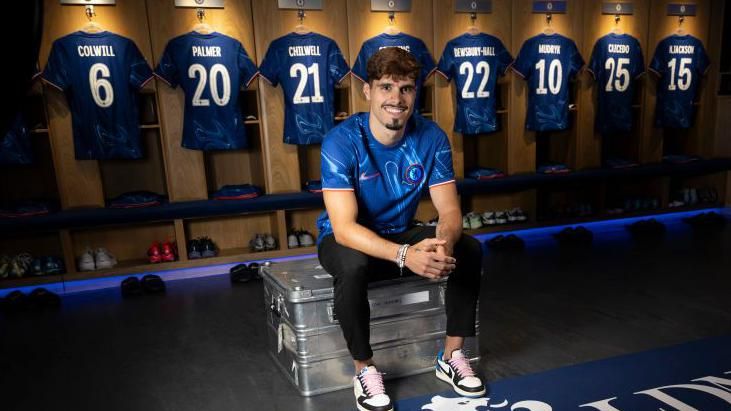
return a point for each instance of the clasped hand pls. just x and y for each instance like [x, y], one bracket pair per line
[428, 258]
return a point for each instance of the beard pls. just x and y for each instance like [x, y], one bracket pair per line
[395, 125]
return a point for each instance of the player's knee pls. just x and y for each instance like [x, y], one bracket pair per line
[469, 248]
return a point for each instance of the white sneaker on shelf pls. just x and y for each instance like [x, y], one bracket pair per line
[488, 218]
[292, 241]
[86, 260]
[500, 217]
[465, 222]
[305, 239]
[104, 259]
[475, 220]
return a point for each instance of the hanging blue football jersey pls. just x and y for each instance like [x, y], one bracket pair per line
[15, 147]
[388, 180]
[680, 62]
[405, 41]
[100, 73]
[616, 62]
[308, 66]
[475, 62]
[211, 69]
[547, 62]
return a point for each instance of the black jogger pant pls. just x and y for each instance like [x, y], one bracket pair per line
[353, 270]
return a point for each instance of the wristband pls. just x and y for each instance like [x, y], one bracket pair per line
[401, 257]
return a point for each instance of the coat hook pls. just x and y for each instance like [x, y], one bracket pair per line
[200, 14]
[89, 10]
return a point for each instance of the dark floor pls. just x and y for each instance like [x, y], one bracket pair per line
[201, 347]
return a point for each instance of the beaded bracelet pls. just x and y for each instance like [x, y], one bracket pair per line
[401, 257]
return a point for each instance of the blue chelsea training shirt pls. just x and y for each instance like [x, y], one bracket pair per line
[388, 181]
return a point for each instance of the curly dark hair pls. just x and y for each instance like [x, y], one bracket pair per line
[393, 61]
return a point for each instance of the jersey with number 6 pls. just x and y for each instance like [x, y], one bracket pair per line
[211, 68]
[475, 62]
[308, 66]
[615, 64]
[100, 73]
[547, 62]
[680, 61]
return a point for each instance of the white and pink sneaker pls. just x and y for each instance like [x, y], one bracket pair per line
[370, 394]
[458, 372]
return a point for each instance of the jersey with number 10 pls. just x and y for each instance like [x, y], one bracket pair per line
[308, 66]
[615, 64]
[211, 68]
[547, 62]
[475, 62]
[680, 61]
[100, 73]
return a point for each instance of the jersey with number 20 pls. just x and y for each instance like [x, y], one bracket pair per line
[211, 68]
[547, 62]
[100, 73]
[680, 61]
[308, 66]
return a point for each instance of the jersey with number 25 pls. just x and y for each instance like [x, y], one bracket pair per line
[547, 62]
[615, 64]
[308, 66]
[211, 68]
[100, 73]
[680, 61]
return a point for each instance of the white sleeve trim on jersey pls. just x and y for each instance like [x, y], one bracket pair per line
[251, 80]
[51, 83]
[146, 81]
[338, 189]
[515, 70]
[357, 76]
[429, 74]
[154, 74]
[508, 67]
[443, 183]
[271, 83]
[343, 77]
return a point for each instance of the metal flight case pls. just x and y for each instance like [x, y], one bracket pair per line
[408, 324]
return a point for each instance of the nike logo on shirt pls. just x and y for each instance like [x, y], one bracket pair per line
[364, 176]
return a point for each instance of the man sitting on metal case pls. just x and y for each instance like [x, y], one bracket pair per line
[375, 168]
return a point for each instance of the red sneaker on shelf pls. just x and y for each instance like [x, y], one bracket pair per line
[153, 253]
[169, 251]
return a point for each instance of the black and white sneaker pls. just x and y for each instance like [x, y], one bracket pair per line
[457, 372]
[370, 395]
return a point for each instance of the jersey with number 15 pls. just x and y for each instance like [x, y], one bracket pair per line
[680, 61]
[547, 62]
[308, 66]
[211, 68]
[100, 73]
